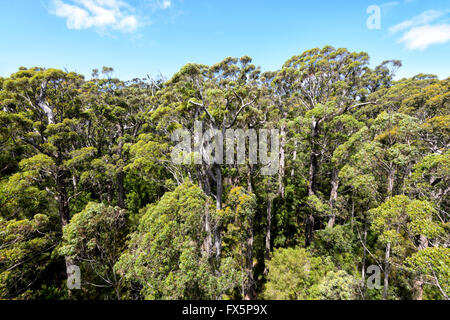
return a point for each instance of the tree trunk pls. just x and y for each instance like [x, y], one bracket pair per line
[294, 158]
[390, 190]
[204, 180]
[363, 268]
[217, 241]
[249, 179]
[64, 215]
[42, 104]
[219, 184]
[63, 199]
[64, 212]
[418, 282]
[386, 270]
[207, 245]
[313, 166]
[309, 229]
[217, 236]
[282, 161]
[63, 206]
[268, 234]
[333, 196]
[69, 263]
[109, 194]
[391, 181]
[312, 177]
[249, 288]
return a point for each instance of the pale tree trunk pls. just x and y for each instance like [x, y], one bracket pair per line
[62, 196]
[313, 166]
[217, 236]
[294, 158]
[120, 175]
[391, 181]
[207, 244]
[312, 177]
[64, 212]
[390, 190]
[281, 192]
[282, 161]
[219, 185]
[363, 268]
[217, 242]
[333, 196]
[213, 238]
[48, 110]
[109, 195]
[249, 179]
[249, 289]
[386, 271]
[309, 225]
[268, 232]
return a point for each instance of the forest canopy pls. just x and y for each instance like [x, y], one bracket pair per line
[362, 183]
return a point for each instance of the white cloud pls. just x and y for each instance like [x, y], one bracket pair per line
[426, 29]
[159, 4]
[420, 38]
[98, 14]
[422, 19]
[166, 4]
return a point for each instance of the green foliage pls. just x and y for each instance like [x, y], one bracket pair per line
[94, 240]
[399, 214]
[434, 265]
[337, 285]
[166, 254]
[294, 274]
[87, 178]
[25, 256]
[341, 244]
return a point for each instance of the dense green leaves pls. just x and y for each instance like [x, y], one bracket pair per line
[87, 179]
[168, 254]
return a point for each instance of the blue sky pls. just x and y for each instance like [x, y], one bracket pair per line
[139, 37]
